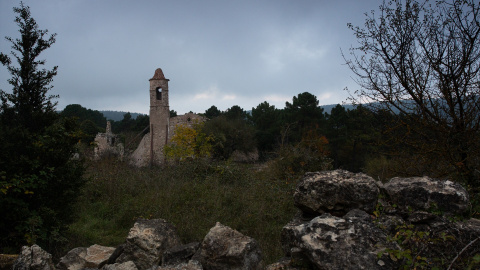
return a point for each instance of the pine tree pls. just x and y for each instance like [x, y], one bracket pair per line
[39, 179]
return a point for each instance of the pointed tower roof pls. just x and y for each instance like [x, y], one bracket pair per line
[158, 75]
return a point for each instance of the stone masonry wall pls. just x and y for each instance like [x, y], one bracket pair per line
[107, 143]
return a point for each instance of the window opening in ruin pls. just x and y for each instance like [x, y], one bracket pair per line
[188, 119]
[110, 141]
[159, 93]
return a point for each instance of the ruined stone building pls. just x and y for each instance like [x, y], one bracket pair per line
[162, 126]
[107, 143]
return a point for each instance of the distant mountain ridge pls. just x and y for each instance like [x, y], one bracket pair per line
[118, 115]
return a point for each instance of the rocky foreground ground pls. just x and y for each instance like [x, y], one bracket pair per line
[345, 221]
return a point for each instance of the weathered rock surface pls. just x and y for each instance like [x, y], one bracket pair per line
[191, 265]
[147, 241]
[73, 260]
[97, 256]
[180, 254]
[335, 192]
[33, 258]
[121, 266]
[79, 258]
[284, 264]
[427, 194]
[225, 248]
[351, 242]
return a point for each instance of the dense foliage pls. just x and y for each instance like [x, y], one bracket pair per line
[189, 143]
[40, 179]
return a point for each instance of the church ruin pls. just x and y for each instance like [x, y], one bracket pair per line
[107, 144]
[150, 151]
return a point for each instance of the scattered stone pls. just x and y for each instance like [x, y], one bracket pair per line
[147, 241]
[94, 256]
[284, 264]
[225, 248]
[336, 192]
[191, 265]
[73, 260]
[97, 256]
[180, 254]
[33, 258]
[121, 266]
[331, 242]
[118, 251]
[427, 194]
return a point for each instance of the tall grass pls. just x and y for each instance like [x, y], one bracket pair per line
[193, 196]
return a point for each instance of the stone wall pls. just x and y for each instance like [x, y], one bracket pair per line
[188, 119]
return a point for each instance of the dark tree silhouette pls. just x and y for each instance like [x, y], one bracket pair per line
[39, 179]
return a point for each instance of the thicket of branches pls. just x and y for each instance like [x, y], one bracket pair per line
[422, 60]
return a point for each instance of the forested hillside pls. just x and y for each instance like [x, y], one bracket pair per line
[118, 115]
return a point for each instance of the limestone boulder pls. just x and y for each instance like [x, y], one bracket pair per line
[285, 264]
[73, 260]
[147, 241]
[335, 192]
[427, 194]
[225, 248]
[180, 254]
[94, 256]
[97, 256]
[33, 258]
[191, 265]
[121, 266]
[349, 242]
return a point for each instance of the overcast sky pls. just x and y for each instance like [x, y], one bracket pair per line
[220, 53]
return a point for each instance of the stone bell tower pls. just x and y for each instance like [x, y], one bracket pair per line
[159, 97]
[159, 115]
[150, 149]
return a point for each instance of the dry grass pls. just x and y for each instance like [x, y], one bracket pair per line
[193, 196]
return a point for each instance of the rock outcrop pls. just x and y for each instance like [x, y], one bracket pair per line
[426, 194]
[121, 266]
[180, 254]
[330, 242]
[33, 258]
[79, 258]
[225, 248]
[342, 225]
[335, 192]
[147, 241]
